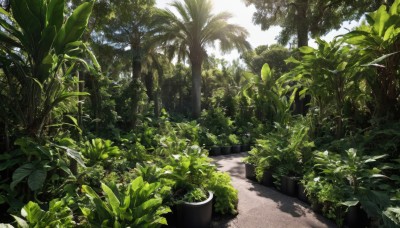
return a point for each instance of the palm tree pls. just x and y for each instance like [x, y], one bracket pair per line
[189, 33]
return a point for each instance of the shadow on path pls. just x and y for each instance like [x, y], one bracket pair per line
[264, 198]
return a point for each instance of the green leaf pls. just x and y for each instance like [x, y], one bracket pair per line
[380, 17]
[55, 13]
[351, 203]
[29, 22]
[266, 73]
[32, 212]
[74, 27]
[36, 179]
[90, 192]
[111, 198]
[378, 60]
[342, 66]
[137, 183]
[306, 50]
[291, 59]
[20, 173]
[22, 223]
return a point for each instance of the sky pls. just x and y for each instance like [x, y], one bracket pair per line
[242, 16]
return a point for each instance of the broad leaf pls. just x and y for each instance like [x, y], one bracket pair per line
[20, 173]
[74, 27]
[21, 223]
[306, 50]
[111, 198]
[36, 179]
[266, 73]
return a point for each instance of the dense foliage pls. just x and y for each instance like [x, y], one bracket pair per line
[110, 141]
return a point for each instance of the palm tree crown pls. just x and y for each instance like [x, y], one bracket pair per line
[189, 33]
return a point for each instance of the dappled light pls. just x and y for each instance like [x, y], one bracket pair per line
[121, 114]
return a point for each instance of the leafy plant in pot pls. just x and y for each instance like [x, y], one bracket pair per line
[226, 146]
[250, 165]
[356, 183]
[245, 139]
[234, 142]
[190, 171]
[213, 142]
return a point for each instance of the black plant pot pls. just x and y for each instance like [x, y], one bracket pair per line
[235, 149]
[195, 215]
[171, 217]
[245, 148]
[317, 207]
[225, 150]
[356, 217]
[289, 185]
[250, 171]
[268, 179]
[301, 193]
[215, 151]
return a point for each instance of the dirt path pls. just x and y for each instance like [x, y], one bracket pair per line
[261, 207]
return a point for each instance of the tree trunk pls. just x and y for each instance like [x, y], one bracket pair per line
[302, 40]
[196, 88]
[149, 83]
[135, 85]
[157, 103]
[302, 23]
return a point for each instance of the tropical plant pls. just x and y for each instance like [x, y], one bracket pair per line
[233, 139]
[267, 96]
[40, 53]
[189, 33]
[57, 215]
[328, 75]
[189, 170]
[284, 150]
[350, 180]
[226, 196]
[139, 206]
[35, 170]
[97, 150]
[378, 42]
[195, 195]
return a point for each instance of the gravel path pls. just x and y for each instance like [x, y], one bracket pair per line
[261, 207]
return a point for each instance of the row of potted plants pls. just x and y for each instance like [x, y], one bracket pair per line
[227, 144]
[348, 187]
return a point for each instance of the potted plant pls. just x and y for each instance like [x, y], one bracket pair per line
[234, 142]
[189, 171]
[245, 143]
[214, 148]
[250, 167]
[302, 192]
[226, 147]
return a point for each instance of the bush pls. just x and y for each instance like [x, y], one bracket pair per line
[226, 196]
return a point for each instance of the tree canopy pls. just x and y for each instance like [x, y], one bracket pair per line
[189, 33]
[300, 18]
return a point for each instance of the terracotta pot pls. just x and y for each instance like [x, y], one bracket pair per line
[195, 215]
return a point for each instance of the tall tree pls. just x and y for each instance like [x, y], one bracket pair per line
[191, 31]
[120, 31]
[39, 50]
[299, 18]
